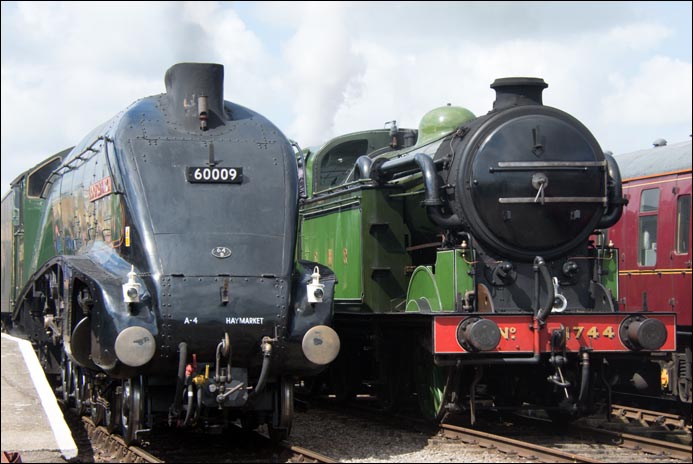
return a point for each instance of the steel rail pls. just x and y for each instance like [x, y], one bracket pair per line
[512, 446]
[306, 454]
[630, 441]
[116, 445]
[646, 417]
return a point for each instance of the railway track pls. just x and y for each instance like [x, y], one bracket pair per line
[107, 447]
[639, 443]
[361, 435]
[112, 448]
[646, 417]
[510, 446]
[580, 444]
[513, 438]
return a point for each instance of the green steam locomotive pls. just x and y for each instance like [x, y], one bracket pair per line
[472, 270]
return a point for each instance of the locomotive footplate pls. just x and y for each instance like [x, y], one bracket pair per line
[611, 332]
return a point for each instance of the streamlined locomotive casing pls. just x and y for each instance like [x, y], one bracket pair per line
[167, 237]
[211, 258]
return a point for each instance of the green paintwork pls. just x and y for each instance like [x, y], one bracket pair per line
[8, 224]
[31, 225]
[359, 234]
[331, 165]
[64, 223]
[26, 225]
[423, 293]
[452, 278]
[370, 226]
[609, 277]
[309, 157]
[430, 383]
[326, 236]
[441, 121]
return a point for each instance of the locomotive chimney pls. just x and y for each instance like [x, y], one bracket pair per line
[517, 91]
[196, 95]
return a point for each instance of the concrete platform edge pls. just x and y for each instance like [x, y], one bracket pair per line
[61, 432]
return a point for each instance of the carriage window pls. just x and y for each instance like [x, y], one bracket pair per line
[647, 228]
[649, 200]
[683, 223]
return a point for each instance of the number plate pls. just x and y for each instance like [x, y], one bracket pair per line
[214, 175]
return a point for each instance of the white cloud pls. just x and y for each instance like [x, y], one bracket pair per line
[407, 85]
[91, 60]
[319, 69]
[639, 36]
[655, 102]
[404, 83]
[660, 93]
[323, 69]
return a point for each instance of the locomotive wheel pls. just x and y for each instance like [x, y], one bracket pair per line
[113, 417]
[280, 426]
[96, 411]
[431, 385]
[132, 409]
[79, 389]
[66, 379]
[100, 414]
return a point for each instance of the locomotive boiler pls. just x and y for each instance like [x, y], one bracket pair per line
[471, 268]
[153, 265]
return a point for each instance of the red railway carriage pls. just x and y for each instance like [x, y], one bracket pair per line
[654, 238]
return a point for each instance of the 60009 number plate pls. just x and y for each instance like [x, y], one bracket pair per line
[214, 175]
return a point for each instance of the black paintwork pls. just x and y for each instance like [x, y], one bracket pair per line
[524, 132]
[190, 291]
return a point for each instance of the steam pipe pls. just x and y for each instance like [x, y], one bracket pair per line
[178, 399]
[432, 200]
[395, 165]
[450, 221]
[188, 413]
[362, 169]
[228, 366]
[217, 364]
[267, 356]
[199, 406]
[615, 194]
[542, 269]
[584, 384]
[430, 179]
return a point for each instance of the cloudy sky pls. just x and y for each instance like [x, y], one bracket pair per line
[322, 69]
